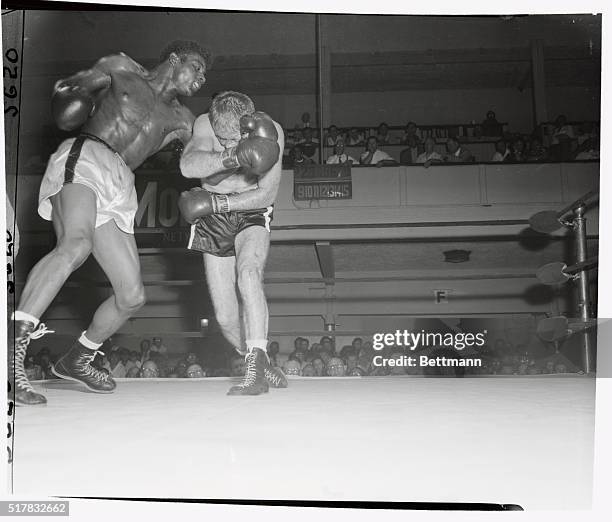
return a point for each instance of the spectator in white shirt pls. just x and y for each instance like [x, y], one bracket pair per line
[374, 156]
[430, 155]
[339, 156]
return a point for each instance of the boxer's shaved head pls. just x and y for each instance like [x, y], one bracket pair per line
[184, 47]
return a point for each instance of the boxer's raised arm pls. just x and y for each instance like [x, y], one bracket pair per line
[75, 98]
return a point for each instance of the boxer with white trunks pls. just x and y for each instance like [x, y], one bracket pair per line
[125, 113]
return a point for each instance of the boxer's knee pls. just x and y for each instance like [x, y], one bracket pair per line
[132, 300]
[74, 250]
[250, 280]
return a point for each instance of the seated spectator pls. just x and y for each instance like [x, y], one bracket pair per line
[298, 159]
[124, 357]
[318, 366]
[429, 155]
[191, 358]
[502, 151]
[409, 156]
[133, 372]
[292, 367]
[327, 344]
[117, 369]
[537, 151]
[339, 157]
[335, 367]
[374, 156]
[308, 371]
[355, 138]
[410, 132]
[346, 350]
[149, 370]
[181, 369]
[561, 142]
[333, 135]
[273, 349]
[237, 366]
[195, 371]
[490, 126]
[518, 154]
[382, 135]
[309, 143]
[135, 359]
[161, 361]
[457, 153]
[589, 150]
[158, 346]
[351, 361]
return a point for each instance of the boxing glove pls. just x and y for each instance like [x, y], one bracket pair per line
[259, 150]
[71, 107]
[198, 202]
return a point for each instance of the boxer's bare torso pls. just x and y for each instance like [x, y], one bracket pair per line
[137, 112]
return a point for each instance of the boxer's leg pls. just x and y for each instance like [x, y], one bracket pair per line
[252, 246]
[221, 281]
[117, 254]
[74, 219]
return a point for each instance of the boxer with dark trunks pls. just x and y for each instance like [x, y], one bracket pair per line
[125, 114]
[237, 153]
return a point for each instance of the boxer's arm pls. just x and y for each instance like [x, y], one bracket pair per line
[75, 99]
[199, 160]
[267, 186]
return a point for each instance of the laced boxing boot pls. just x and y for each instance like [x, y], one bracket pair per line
[20, 333]
[254, 382]
[75, 365]
[274, 376]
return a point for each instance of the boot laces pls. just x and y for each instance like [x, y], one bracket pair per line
[90, 370]
[251, 373]
[21, 347]
[272, 375]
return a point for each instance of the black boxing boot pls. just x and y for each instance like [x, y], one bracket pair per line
[75, 365]
[254, 381]
[274, 376]
[19, 335]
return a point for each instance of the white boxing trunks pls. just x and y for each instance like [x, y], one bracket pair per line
[89, 161]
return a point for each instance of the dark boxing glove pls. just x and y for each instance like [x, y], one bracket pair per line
[71, 107]
[198, 202]
[259, 150]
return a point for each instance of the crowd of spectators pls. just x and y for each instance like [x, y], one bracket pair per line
[319, 359]
[358, 359]
[558, 141]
